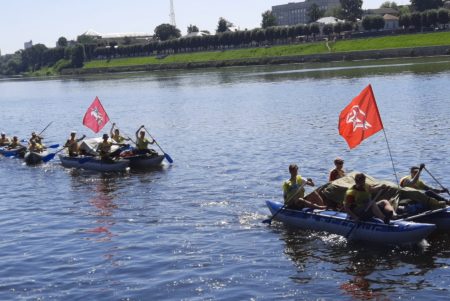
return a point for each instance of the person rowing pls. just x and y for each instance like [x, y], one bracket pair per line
[72, 144]
[413, 181]
[35, 147]
[38, 139]
[142, 142]
[104, 149]
[15, 143]
[294, 191]
[4, 141]
[115, 135]
[359, 205]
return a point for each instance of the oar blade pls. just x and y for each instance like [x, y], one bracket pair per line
[48, 158]
[53, 146]
[168, 158]
[267, 221]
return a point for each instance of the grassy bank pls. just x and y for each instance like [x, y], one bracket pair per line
[379, 43]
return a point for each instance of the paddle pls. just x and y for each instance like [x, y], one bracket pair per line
[45, 128]
[269, 220]
[168, 158]
[371, 202]
[49, 157]
[446, 190]
[426, 213]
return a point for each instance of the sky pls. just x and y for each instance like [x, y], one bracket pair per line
[44, 21]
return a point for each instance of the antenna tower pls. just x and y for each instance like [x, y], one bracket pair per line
[172, 14]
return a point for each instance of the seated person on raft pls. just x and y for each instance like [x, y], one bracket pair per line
[104, 149]
[338, 172]
[4, 141]
[359, 205]
[35, 147]
[72, 144]
[38, 139]
[294, 192]
[413, 181]
[15, 143]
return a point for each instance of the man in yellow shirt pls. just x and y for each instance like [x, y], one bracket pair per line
[142, 142]
[294, 191]
[413, 181]
[359, 205]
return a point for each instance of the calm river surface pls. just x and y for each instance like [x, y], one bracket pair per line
[192, 230]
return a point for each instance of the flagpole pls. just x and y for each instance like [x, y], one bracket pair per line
[390, 155]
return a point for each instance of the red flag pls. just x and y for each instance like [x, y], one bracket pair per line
[360, 119]
[95, 117]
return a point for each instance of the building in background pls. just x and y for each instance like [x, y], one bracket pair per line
[27, 45]
[297, 12]
[124, 38]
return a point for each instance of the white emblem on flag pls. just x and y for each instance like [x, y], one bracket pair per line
[97, 115]
[358, 118]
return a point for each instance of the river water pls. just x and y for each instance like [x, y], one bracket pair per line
[192, 230]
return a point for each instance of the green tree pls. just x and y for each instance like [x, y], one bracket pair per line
[422, 5]
[416, 20]
[443, 16]
[77, 56]
[192, 28]
[62, 42]
[166, 32]
[367, 23]
[327, 29]
[389, 4]
[351, 9]
[378, 22]
[223, 25]
[405, 21]
[268, 19]
[314, 12]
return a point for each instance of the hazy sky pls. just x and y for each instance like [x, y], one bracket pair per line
[44, 21]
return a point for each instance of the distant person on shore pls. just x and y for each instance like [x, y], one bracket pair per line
[338, 172]
[142, 142]
[115, 135]
[413, 181]
[72, 144]
[294, 191]
[359, 205]
[4, 141]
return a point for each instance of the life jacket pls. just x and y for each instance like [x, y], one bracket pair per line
[142, 144]
[418, 185]
[360, 197]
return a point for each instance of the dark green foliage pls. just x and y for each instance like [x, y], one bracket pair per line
[268, 19]
[166, 31]
[223, 25]
[351, 9]
[327, 29]
[314, 12]
[422, 5]
[62, 42]
[443, 16]
[77, 56]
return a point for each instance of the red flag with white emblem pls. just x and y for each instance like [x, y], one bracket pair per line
[360, 119]
[95, 117]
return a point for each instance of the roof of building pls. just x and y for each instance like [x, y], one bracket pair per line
[94, 33]
[390, 17]
[329, 20]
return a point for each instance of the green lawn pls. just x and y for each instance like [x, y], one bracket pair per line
[387, 42]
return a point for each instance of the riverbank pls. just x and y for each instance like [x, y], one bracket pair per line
[412, 45]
